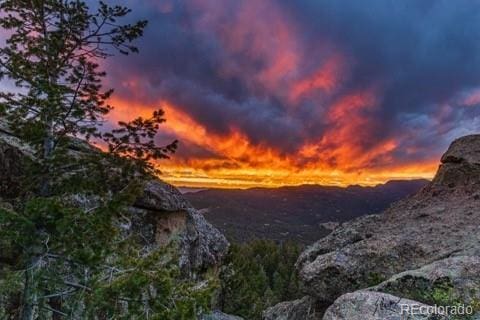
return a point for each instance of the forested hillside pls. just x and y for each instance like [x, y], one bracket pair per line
[295, 213]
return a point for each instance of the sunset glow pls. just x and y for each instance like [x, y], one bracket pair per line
[237, 163]
[265, 93]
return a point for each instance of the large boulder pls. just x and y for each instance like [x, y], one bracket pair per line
[459, 169]
[449, 281]
[464, 150]
[163, 215]
[301, 309]
[218, 315]
[445, 289]
[370, 305]
[161, 196]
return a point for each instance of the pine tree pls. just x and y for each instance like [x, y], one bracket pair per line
[257, 275]
[70, 259]
[52, 56]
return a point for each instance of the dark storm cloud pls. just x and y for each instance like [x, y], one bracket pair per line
[423, 52]
[421, 56]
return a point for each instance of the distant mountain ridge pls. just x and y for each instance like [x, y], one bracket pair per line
[295, 212]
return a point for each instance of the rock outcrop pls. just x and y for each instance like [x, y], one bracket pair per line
[367, 305]
[218, 315]
[453, 282]
[440, 222]
[161, 213]
[455, 279]
[306, 308]
[13, 154]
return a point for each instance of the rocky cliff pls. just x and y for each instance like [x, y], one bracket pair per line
[162, 214]
[423, 250]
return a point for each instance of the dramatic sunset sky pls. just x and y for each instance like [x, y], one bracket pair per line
[270, 93]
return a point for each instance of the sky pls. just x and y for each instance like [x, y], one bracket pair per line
[334, 92]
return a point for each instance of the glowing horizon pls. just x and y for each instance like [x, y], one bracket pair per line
[270, 93]
[269, 168]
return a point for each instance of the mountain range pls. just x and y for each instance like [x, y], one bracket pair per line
[300, 213]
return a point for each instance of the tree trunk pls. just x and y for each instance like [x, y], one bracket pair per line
[56, 304]
[48, 146]
[29, 291]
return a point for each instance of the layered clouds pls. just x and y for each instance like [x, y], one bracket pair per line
[289, 92]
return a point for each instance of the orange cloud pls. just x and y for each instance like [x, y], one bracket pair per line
[350, 125]
[238, 163]
[273, 64]
[325, 79]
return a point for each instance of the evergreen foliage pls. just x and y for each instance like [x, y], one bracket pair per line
[64, 252]
[257, 275]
